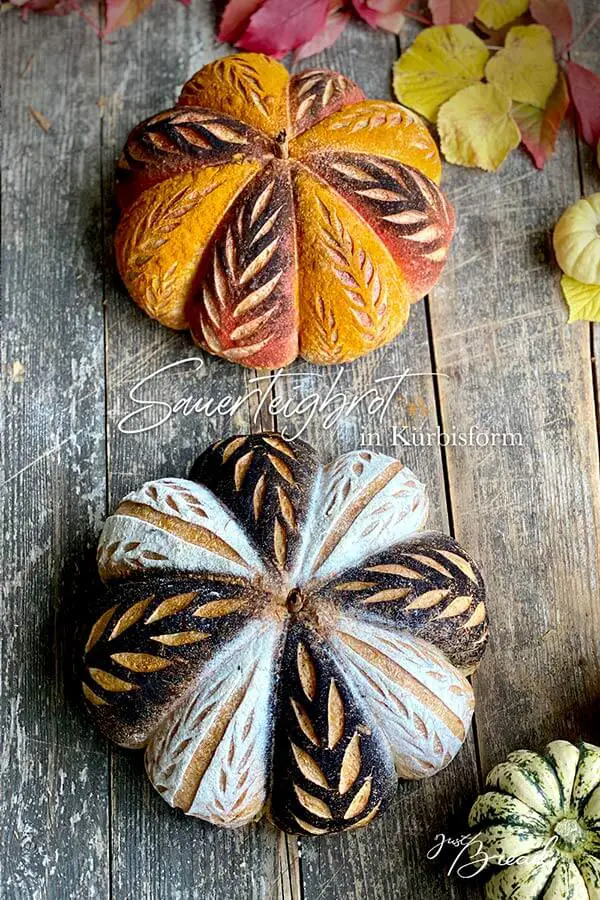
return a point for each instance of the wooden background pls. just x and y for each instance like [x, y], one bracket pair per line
[81, 820]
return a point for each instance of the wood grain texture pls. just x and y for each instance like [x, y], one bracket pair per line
[158, 853]
[528, 513]
[54, 767]
[343, 866]
[587, 53]
[494, 331]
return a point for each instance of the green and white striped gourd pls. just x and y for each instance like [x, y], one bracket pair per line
[539, 825]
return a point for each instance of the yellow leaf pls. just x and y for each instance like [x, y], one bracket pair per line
[498, 13]
[583, 299]
[525, 68]
[476, 127]
[441, 62]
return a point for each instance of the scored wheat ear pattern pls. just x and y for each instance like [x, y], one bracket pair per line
[250, 260]
[150, 234]
[356, 272]
[244, 79]
[333, 636]
[235, 289]
[317, 88]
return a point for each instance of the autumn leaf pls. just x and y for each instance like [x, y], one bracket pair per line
[448, 12]
[441, 61]
[389, 14]
[584, 87]
[498, 13]
[539, 127]
[337, 19]
[582, 299]
[43, 121]
[476, 127]
[556, 16]
[364, 11]
[235, 18]
[495, 37]
[121, 13]
[525, 68]
[385, 14]
[276, 29]
[52, 7]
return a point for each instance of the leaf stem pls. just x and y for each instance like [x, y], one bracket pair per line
[418, 18]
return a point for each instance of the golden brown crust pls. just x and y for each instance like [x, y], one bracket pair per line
[278, 216]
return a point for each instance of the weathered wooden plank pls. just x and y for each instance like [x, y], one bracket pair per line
[54, 766]
[529, 512]
[586, 52]
[387, 859]
[159, 853]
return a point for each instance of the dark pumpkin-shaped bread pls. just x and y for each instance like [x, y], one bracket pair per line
[281, 636]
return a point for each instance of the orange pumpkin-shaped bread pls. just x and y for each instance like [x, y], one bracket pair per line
[278, 216]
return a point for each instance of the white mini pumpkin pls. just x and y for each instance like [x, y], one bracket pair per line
[540, 824]
[577, 240]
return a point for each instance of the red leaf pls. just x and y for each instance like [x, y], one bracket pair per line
[365, 12]
[556, 16]
[121, 13]
[337, 19]
[386, 14]
[453, 12]
[539, 127]
[283, 25]
[390, 14]
[235, 19]
[51, 7]
[584, 87]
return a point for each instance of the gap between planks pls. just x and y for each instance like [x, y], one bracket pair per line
[106, 268]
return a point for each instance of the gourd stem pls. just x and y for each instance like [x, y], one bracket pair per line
[569, 831]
